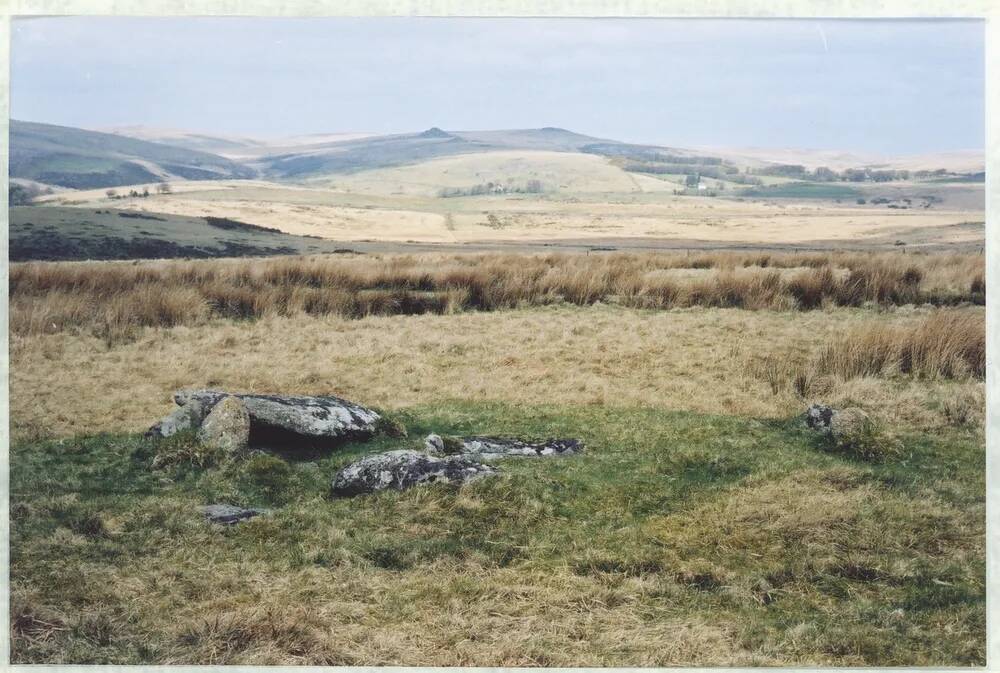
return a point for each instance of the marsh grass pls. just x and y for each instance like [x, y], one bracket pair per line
[677, 538]
[114, 301]
[945, 344]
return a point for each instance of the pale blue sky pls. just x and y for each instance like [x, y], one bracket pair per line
[882, 86]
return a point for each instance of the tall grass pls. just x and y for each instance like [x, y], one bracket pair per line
[945, 345]
[117, 298]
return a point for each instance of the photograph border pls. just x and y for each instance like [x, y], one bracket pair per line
[988, 10]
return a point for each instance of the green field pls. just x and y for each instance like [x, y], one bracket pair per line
[740, 541]
[803, 190]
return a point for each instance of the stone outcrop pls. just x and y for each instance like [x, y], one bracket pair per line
[277, 419]
[227, 426]
[491, 448]
[229, 514]
[403, 469]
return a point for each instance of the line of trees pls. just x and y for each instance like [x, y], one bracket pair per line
[824, 174]
[529, 187]
[161, 188]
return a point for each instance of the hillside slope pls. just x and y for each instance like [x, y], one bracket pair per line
[375, 152]
[71, 157]
[61, 233]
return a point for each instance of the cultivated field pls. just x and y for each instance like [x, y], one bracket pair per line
[703, 525]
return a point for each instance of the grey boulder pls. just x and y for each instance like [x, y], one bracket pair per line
[404, 469]
[227, 426]
[186, 417]
[229, 514]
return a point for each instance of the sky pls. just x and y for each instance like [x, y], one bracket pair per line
[890, 87]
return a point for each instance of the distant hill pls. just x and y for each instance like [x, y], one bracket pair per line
[65, 233]
[374, 152]
[71, 157]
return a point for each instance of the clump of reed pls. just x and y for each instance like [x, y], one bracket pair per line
[116, 299]
[947, 344]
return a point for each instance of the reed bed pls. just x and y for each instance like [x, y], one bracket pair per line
[115, 299]
[947, 344]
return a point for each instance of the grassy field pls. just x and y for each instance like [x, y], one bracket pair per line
[704, 524]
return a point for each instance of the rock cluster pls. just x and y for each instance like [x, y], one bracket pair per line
[232, 422]
[275, 419]
[453, 459]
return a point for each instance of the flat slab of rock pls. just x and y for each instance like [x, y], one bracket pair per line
[284, 417]
[490, 448]
[229, 514]
[404, 469]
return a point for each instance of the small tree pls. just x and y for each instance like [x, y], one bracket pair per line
[692, 180]
[111, 194]
[145, 192]
[163, 188]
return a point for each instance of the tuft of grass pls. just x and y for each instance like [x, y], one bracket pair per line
[946, 344]
[855, 433]
[183, 450]
[270, 474]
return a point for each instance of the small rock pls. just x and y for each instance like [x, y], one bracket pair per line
[819, 417]
[227, 426]
[403, 469]
[229, 514]
[186, 417]
[490, 448]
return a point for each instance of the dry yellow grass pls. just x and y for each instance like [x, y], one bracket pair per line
[642, 210]
[113, 300]
[710, 360]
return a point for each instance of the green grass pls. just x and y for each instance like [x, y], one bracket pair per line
[803, 190]
[746, 526]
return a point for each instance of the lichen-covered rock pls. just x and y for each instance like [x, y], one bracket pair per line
[294, 417]
[849, 423]
[227, 426]
[403, 469]
[186, 417]
[819, 417]
[229, 514]
[490, 448]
